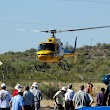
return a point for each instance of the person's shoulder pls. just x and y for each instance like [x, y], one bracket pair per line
[21, 97]
[70, 90]
[8, 92]
[98, 95]
[80, 91]
[58, 92]
[76, 92]
[14, 97]
[38, 90]
[31, 93]
[1, 91]
[25, 92]
[85, 93]
[5, 91]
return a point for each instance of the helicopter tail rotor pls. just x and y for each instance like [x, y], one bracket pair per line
[74, 50]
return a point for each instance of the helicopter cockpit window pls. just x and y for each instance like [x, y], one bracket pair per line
[41, 47]
[46, 46]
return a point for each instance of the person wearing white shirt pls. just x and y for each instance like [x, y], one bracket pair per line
[81, 99]
[5, 97]
[68, 98]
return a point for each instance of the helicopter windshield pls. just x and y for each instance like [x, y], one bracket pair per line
[46, 46]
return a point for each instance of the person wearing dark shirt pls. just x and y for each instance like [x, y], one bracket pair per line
[28, 99]
[100, 97]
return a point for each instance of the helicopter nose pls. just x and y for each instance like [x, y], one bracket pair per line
[41, 57]
[44, 55]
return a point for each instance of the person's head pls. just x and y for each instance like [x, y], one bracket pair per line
[18, 86]
[20, 91]
[82, 87]
[102, 89]
[27, 88]
[63, 89]
[35, 85]
[70, 86]
[89, 85]
[3, 86]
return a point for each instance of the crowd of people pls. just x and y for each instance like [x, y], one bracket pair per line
[29, 99]
[67, 99]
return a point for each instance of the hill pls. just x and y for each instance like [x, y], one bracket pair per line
[92, 64]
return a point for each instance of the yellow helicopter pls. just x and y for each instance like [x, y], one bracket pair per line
[52, 50]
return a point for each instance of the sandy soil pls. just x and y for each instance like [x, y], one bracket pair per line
[47, 105]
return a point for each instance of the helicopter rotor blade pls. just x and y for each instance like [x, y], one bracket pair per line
[50, 31]
[89, 28]
[35, 30]
[59, 31]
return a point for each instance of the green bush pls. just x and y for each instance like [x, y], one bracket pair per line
[49, 90]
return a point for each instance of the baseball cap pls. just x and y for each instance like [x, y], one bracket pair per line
[3, 85]
[35, 84]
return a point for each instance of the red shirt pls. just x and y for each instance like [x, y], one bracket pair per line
[15, 92]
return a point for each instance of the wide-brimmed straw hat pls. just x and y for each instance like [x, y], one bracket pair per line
[20, 90]
[64, 88]
[18, 86]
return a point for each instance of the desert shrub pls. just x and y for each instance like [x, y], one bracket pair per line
[49, 90]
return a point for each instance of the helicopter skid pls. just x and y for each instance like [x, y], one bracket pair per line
[40, 67]
[64, 65]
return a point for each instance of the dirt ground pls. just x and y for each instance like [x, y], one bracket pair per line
[47, 105]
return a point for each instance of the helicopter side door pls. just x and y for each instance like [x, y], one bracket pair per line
[60, 48]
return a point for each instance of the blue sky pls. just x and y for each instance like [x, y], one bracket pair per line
[52, 14]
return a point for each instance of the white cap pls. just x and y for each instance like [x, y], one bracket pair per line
[64, 88]
[35, 85]
[3, 85]
[18, 86]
